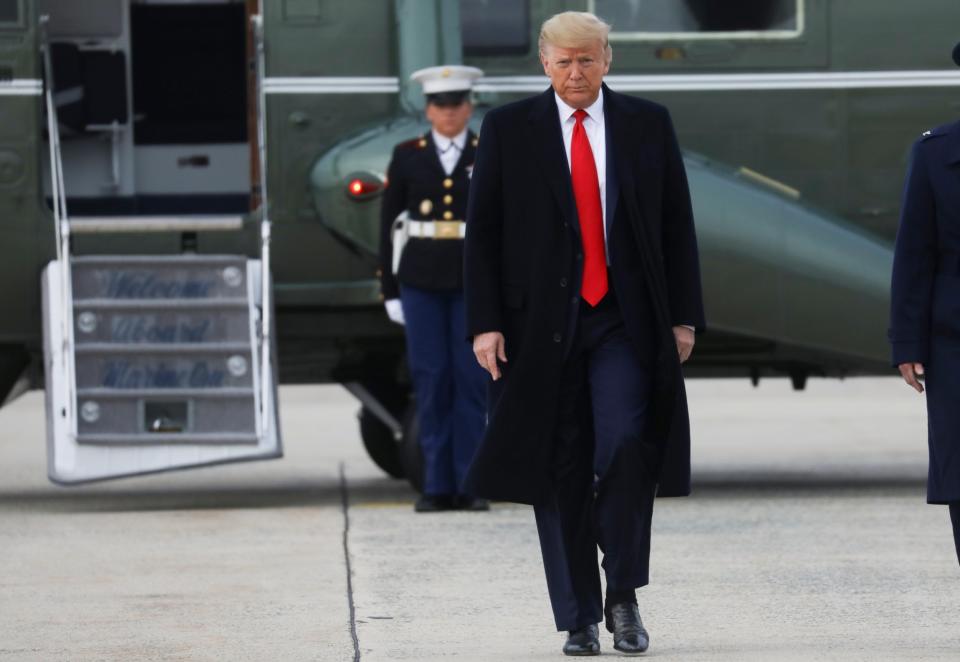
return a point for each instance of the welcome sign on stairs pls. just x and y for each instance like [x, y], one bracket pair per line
[159, 368]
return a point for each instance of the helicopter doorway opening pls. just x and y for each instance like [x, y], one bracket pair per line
[154, 103]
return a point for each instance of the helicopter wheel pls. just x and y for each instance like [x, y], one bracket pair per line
[380, 443]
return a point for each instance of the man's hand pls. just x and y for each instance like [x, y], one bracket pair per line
[394, 310]
[685, 340]
[488, 347]
[912, 372]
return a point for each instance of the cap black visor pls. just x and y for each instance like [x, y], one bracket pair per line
[446, 99]
[956, 54]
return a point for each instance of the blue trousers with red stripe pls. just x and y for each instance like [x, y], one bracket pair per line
[449, 383]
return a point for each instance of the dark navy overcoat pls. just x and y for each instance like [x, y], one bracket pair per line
[925, 297]
[523, 262]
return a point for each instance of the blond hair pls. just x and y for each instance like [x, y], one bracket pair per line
[575, 29]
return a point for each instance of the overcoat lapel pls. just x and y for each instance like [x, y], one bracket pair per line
[624, 136]
[611, 123]
[548, 146]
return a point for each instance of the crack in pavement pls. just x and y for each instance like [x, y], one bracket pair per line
[345, 507]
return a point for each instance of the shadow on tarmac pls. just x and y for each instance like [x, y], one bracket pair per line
[328, 492]
[772, 484]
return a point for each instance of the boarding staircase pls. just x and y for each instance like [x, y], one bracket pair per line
[155, 362]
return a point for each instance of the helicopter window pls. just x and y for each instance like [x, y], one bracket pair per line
[495, 27]
[9, 11]
[704, 19]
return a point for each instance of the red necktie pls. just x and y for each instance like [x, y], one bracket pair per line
[586, 191]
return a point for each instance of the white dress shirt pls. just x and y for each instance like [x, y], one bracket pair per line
[594, 127]
[593, 124]
[449, 149]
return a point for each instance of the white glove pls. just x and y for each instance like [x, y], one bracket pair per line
[394, 310]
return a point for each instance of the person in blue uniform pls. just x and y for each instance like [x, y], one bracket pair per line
[421, 269]
[925, 302]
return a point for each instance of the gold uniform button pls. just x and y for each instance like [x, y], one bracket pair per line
[426, 207]
[447, 215]
[422, 143]
[448, 199]
[447, 183]
[474, 142]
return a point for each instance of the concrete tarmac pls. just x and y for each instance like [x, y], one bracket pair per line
[807, 538]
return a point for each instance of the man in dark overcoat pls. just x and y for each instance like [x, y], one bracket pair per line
[582, 288]
[925, 302]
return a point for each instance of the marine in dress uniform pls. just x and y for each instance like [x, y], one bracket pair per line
[427, 183]
[925, 302]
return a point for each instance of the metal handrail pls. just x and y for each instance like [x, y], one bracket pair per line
[62, 233]
[266, 331]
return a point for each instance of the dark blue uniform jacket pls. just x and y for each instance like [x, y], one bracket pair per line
[418, 184]
[925, 296]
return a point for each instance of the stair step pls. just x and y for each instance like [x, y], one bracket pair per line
[159, 277]
[124, 224]
[187, 321]
[151, 438]
[100, 393]
[112, 349]
[200, 367]
[155, 260]
[160, 304]
[180, 411]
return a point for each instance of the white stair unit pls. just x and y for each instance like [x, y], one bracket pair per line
[155, 362]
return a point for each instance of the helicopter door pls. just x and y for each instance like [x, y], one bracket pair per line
[154, 106]
[190, 107]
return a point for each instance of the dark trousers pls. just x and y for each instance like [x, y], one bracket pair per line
[449, 383]
[603, 491]
[955, 519]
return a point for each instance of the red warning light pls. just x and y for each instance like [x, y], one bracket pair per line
[360, 187]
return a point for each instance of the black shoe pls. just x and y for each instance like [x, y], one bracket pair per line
[629, 635]
[433, 503]
[472, 503]
[585, 641]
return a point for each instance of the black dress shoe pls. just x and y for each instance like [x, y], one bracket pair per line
[471, 503]
[585, 641]
[433, 503]
[629, 635]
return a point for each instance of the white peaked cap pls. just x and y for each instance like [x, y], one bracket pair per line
[446, 78]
